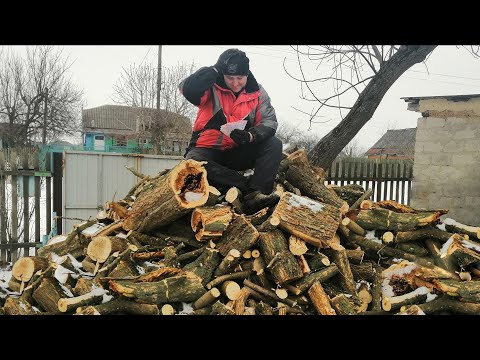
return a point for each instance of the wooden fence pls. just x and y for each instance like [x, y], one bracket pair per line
[388, 179]
[22, 175]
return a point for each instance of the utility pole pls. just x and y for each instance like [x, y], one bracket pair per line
[159, 76]
[44, 135]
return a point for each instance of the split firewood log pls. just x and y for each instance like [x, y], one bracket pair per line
[209, 222]
[204, 265]
[311, 221]
[213, 195]
[400, 208]
[169, 197]
[349, 193]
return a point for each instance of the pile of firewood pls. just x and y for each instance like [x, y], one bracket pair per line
[175, 245]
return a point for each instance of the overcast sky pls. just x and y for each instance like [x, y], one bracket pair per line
[452, 71]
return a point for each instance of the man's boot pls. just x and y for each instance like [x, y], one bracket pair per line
[256, 201]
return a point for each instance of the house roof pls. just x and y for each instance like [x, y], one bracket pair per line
[398, 142]
[119, 117]
[416, 99]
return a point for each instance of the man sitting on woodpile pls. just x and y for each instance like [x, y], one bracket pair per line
[234, 129]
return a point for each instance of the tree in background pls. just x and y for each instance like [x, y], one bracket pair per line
[361, 76]
[37, 96]
[137, 87]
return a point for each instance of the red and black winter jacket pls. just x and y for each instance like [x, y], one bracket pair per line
[217, 105]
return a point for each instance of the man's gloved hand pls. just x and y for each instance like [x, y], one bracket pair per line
[222, 61]
[241, 137]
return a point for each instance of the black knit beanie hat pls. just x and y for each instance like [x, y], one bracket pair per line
[238, 64]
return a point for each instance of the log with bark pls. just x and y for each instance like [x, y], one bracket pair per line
[209, 222]
[312, 221]
[169, 197]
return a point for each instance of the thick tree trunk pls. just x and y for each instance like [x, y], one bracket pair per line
[120, 306]
[169, 197]
[325, 152]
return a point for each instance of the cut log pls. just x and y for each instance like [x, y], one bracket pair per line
[314, 189]
[120, 306]
[47, 295]
[122, 270]
[317, 260]
[355, 256]
[342, 306]
[428, 232]
[230, 289]
[302, 262]
[221, 309]
[394, 303]
[312, 221]
[205, 265]
[363, 271]
[259, 217]
[322, 275]
[71, 304]
[206, 299]
[382, 219]
[297, 246]
[17, 306]
[455, 227]
[273, 244]
[227, 265]
[74, 244]
[101, 247]
[169, 197]
[349, 193]
[401, 208]
[353, 226]
[83, 286]
[268, 293]
[465, 252]
[362, 198]
[167, 309]
[446, 262]
[411, 310]
[186, 287]
[263, 309]
[213, 195]
[320, 300]
[467, 291]
[25, 267]
[339, 256]
[239, 302]
[209, 222]
[234, 196]
[453, 306]
[233, 276]
[240, 235]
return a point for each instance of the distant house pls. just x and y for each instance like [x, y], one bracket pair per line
[9, 134]
[128, 129]
[394, 144]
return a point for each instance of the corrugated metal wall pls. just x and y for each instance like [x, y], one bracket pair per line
[92, 178]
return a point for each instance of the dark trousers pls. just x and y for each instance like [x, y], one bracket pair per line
[223, 166]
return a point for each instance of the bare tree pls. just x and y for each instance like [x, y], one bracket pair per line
[31, 85]
[137, 87]
[359, 77]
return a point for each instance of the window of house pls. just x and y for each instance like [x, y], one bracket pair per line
[120, 141]
[176, 146]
